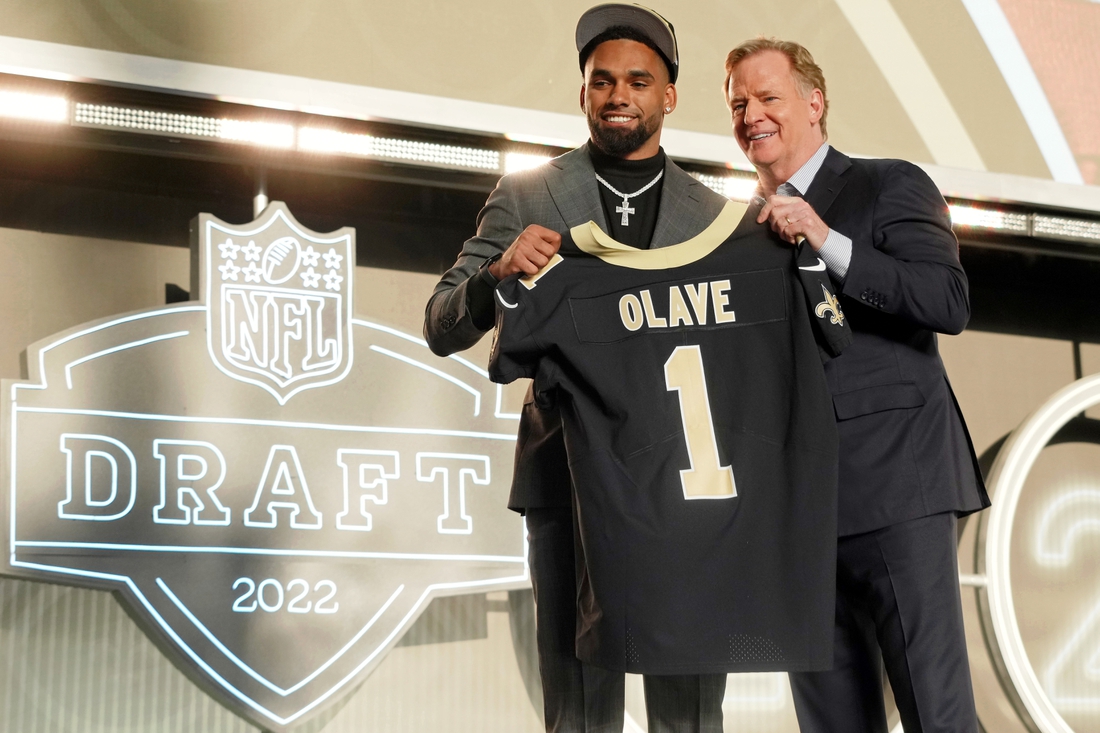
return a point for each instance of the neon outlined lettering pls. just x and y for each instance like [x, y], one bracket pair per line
[283, 486]
[429, 466]
[123, 472]
[191, 460]
[371, 470]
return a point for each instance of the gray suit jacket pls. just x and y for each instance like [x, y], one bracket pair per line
[559, 195]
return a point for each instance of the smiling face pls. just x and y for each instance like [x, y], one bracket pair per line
[625, 94]
[775, 122]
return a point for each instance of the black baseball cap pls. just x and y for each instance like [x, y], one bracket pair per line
[637, 17]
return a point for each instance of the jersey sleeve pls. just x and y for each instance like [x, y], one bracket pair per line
[830, 326]
[516, 351]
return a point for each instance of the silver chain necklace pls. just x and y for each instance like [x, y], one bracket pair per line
[625, 209]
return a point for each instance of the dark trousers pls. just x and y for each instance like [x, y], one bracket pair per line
[898, 604]
[580, 697]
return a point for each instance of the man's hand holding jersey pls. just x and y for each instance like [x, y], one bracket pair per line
[530, 252]
[792, 219]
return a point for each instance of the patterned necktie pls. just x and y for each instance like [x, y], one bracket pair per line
[786, 189]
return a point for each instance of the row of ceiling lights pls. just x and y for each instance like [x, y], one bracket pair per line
[307, 138]
[1044, 226]
[321, 140]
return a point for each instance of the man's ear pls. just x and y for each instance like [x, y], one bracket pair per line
[583, 88]
[670, 98]
[817, 106]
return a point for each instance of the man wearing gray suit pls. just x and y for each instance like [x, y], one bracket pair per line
[622, 180]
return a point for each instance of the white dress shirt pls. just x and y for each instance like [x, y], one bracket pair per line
[836, 253]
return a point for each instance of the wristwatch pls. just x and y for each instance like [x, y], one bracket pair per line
[483, 273]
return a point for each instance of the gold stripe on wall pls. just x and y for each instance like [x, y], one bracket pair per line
[907, 72]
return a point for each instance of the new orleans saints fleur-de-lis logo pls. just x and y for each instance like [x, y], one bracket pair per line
[830, 305]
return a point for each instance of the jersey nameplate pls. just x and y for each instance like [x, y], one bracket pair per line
[736, 300]
[637, 310]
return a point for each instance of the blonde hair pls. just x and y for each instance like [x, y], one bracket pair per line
[807, 74]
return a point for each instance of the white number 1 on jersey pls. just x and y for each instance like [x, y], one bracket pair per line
[706, 479]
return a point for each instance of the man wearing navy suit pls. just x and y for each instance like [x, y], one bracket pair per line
[907, 467]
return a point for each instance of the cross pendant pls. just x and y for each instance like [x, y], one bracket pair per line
[626, 211]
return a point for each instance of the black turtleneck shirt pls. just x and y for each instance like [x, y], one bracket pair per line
[627, 176]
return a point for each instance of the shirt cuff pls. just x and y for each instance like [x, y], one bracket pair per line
[479, 302]
[836, 253]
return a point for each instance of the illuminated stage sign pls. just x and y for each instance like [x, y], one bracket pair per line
[274, 487]
[1036, 551]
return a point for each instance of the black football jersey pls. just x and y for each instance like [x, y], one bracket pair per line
[701, 442]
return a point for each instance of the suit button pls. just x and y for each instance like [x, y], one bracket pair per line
[863, 295]
[447, 323]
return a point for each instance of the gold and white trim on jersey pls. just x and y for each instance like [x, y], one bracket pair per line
[591, 239]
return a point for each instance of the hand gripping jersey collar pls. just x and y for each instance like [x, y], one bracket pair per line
[591, 239]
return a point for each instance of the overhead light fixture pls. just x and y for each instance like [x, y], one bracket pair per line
[1060, 227]
[978, 218]
[34, 107]
[318, 140]
[735, 188]
[514, 162]
[736, 185]
[321, 140]
[1042, 226]
[267, 134]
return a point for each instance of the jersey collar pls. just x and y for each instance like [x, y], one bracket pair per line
[592, 240]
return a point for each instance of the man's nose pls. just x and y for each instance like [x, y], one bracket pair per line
[754, 112]
[619, 95]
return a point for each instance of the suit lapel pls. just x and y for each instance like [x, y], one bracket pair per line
[572, 185]
[678, 195]
[829, 181]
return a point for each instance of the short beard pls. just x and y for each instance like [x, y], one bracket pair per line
[620, 143]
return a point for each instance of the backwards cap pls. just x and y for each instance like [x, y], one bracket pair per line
[647, 22]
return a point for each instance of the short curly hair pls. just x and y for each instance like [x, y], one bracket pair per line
[807, 74]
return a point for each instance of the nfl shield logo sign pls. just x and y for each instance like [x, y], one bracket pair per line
[280, 301]
[275, 549]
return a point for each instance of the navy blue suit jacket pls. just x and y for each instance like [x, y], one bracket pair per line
[904, 448]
